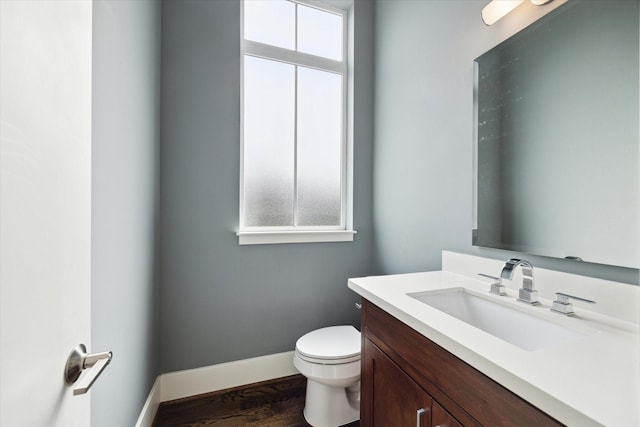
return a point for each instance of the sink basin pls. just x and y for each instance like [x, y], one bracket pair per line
[510, 324]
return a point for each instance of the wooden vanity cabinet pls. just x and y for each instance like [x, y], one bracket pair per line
[404, 372]
[441, 418]
[391, 397]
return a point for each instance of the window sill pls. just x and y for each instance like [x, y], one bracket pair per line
[275, 237]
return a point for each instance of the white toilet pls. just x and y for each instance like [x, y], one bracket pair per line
[330, 359]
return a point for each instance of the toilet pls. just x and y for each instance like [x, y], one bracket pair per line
[330, 359]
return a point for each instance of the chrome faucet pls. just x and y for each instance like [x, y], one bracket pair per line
[497, 288]
[563, 306]
[527, 294]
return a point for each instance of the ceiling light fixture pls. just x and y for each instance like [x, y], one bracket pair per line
[496, 9]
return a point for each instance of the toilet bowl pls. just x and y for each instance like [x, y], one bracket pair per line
[330, 359]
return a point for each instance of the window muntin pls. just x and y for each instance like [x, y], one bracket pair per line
[294, 160]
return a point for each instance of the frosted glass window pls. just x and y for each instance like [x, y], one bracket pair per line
[271, 22]
[319, 33]
[319, 147]
[294, 158]
[269, 115]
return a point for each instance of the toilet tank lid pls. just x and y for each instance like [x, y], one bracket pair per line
[333, 342]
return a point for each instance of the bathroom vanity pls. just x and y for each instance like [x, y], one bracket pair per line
[407, 377]
[424, 366]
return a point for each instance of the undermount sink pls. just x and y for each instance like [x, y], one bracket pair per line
[510, 324]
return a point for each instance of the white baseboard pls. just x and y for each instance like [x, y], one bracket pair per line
[191, 382]
[148, 413]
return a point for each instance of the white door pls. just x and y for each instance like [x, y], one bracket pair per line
[45, 217]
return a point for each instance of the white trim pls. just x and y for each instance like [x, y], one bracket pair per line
[148, 413]
[275, 53]
[300, 59]
[323, 5]
[191, 382]
[308, 236]
[346, 164]
[348, 116]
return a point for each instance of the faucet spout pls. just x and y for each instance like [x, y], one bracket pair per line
[527, 293]
[527, 271]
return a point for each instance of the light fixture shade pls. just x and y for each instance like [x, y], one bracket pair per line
[496, 9]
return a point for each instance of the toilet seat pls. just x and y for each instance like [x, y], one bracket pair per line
[333, 345]
[328, 361]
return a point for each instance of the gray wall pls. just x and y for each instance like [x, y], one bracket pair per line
[221, 301]
[124, 197]
[423, 133]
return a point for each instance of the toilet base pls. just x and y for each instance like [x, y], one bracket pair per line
[331, 406]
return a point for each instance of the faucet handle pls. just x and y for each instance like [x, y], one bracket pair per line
[497, 287]
[563, 306]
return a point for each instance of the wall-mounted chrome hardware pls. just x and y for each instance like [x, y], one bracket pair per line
[527, 294]
[80, 360]
[419, 413]
[359, 306]
[497, 287]
[563, 306]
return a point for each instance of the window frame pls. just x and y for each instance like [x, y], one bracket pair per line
[296, 233]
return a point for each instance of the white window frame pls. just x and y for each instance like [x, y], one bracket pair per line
[303, 234]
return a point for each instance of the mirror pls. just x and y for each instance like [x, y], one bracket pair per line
[557, 150]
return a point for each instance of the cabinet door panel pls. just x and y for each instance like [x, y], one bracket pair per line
[441, 418]
[392, 398]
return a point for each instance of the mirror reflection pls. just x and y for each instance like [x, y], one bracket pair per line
[557, 146]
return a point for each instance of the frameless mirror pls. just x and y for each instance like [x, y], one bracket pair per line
[557, 150]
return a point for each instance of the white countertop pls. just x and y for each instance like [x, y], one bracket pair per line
[588, 382]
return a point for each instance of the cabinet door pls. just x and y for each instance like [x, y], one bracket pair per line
[389, 396]
[441, 418]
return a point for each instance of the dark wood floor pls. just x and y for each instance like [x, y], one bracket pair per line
[274, 403]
